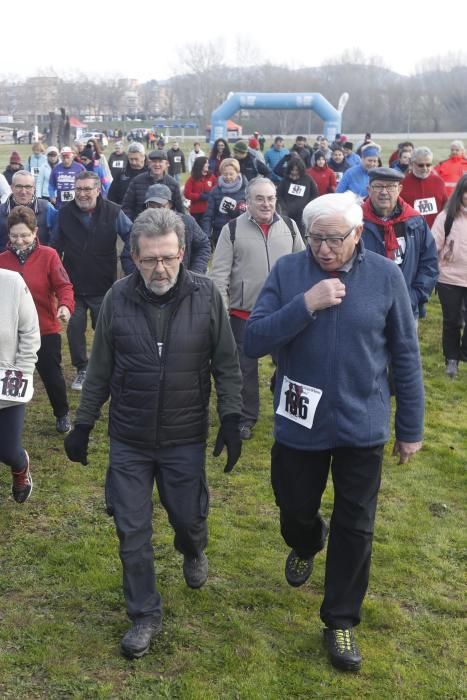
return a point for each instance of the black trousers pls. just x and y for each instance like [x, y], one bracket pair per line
[181, 481]
[250, 377]
[76, 330]
[11, 429]
[49, 366]
[298, 480]
[454, 306]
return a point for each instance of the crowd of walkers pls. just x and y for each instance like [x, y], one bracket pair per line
[288, 236]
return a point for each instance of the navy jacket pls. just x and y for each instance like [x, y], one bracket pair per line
[344, 351]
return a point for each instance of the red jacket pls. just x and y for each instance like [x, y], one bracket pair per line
[195, 188]
[325, 179]
[451, 171]
[48, 283]
[427, 190]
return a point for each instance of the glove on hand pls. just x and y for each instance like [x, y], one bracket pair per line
[76, 443]
[204, 196]
[229, 435]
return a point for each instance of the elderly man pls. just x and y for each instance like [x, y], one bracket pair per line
[136, 165]
[133, 201]
[23, 194]
[394, 229]
[62, 178]
[333, 315]
[453, 168]
[422, 188]
[161, 333]
[246, 250]
[85, 235]
[356, 178]
[118, 160]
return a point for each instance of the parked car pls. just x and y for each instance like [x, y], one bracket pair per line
[98, 135]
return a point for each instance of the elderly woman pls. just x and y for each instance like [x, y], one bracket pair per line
[227, 200]
[48, 282]
[19, 343]
[450, 233]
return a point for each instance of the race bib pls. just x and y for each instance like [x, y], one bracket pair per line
[15, 386]
[117, 164]
[177, 159]
[227, 205]
[68, 195]
[35, 171]
[297, 190]
[338, 176]
[426, 206]
[298, 402]
[400, 252]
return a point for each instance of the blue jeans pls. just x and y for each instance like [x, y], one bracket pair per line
[11, 428]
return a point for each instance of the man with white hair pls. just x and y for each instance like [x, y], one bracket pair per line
[422, 188]
[453, 168]
[334, 316]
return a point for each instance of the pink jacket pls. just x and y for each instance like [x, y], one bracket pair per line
[452, 251]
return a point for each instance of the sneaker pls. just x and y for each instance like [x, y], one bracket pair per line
[195, 570]
[451, 368]
[297, 570]
[22, 483]
[63, 424]
[245, 432]
[77, 384]
[137, 640]
[342, 649]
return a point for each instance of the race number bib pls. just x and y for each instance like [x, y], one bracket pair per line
[298, 402]
[400, 252]
[177, 159]
[338, 176]
[35, 172]
[227, 205]
[426, 206]
[15, 386]
[297, 190]
[117, 164]
[68, 195]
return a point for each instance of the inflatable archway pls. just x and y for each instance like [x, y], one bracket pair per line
[331, 117]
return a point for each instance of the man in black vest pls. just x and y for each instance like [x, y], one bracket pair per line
[161, 333]
[135, 196]
[85, 236]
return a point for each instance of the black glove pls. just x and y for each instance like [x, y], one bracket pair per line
[229, 435]
[76, 443]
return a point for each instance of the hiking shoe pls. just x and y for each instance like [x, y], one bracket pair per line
[245, 432]
[451, 368]
[63, 424]
[22, 483]
[137, 640]
[77, 384]
[195, 570]
[342, 649]
[297, 570]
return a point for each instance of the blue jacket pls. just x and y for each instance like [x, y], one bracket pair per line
[272, 157]
[355, 179]
[353, 159]
[420, 263]
[343, 350]
[222, 207]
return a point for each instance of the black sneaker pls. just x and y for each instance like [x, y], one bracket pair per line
[78, 381]
[343, 651]
[297, 570]
[137, 640]
[63, 424]
[195, 570]
[22, 483]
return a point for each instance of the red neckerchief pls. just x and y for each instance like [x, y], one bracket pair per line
[390, 239]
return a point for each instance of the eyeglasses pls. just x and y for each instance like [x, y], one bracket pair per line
[333, 242]
[84, 190]
[23, 187]
[389, 188]
[423, 165]
[166, 260]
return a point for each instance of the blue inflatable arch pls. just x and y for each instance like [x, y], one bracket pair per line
[331, 117]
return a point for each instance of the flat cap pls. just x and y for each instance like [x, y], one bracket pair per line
[385, 174]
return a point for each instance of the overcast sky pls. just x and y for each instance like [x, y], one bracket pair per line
[144, 40]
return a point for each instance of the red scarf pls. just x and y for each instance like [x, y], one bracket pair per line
[390, 239]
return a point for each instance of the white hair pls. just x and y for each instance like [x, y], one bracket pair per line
[458, 144]
[345, 204]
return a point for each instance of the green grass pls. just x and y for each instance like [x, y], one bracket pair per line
[246, 634]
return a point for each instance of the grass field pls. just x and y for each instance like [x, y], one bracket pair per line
[246, 635]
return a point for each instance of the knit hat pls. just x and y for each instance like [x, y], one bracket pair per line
[87, 153]
[51, 149]
[319, 154]
[253, 143]
[15, 157]
[241, 147]
[370, 151]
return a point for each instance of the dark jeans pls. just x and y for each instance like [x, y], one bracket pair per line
[49, 359]
[298, 480]
[181, 481]
[249, 368]
[454, 305]
[76, 331]
[11, 429]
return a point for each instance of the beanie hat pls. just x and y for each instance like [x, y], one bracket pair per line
[15, 157]
[240, 147]
[87, 153]
[253, 143]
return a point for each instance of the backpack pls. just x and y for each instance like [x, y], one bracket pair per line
[285, 219]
